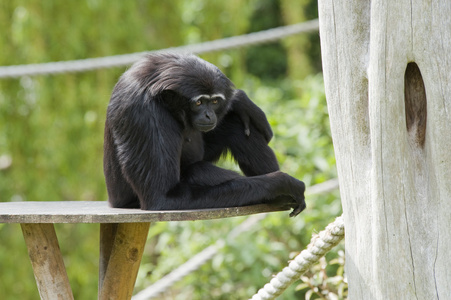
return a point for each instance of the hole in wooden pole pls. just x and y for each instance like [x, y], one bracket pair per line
[416, 103]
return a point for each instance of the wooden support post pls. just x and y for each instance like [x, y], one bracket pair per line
[386, 67]
[107, 235]
[47, 261]
[121, 249]
[121, 244]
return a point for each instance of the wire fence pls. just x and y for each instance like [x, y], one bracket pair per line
[83, 65]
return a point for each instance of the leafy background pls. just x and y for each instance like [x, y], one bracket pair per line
[51, 138]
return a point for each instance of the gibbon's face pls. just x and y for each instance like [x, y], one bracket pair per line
[205, 109]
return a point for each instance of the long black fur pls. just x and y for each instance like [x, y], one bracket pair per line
[159, 156]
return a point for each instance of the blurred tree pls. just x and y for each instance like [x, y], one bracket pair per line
[304, 55]
[267, 61]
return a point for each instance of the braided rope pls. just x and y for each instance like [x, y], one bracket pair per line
[88, 64]
[318, 247]
[195, 262]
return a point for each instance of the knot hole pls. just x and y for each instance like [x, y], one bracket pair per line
[415, 104]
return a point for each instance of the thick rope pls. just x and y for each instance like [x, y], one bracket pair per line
[195, 262]
[318, 247]
[88, 64]
[208, 253]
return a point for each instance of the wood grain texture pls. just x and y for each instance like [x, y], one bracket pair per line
[107, 235]
[100, 212]
[47, 261]
[386, 67]
[124, 259]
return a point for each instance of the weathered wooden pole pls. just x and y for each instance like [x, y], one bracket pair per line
[47, 261]
[387, 72]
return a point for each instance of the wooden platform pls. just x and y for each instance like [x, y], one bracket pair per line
[123, 234]
[101, 212]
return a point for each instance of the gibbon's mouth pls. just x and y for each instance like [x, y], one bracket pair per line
[205, 127]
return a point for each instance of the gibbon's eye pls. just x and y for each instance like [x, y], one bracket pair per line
[214, 101]
[198, 102]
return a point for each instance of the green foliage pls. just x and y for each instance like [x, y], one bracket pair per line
[268, 61]
[326, 280]
[51, 139]
[303, 146]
